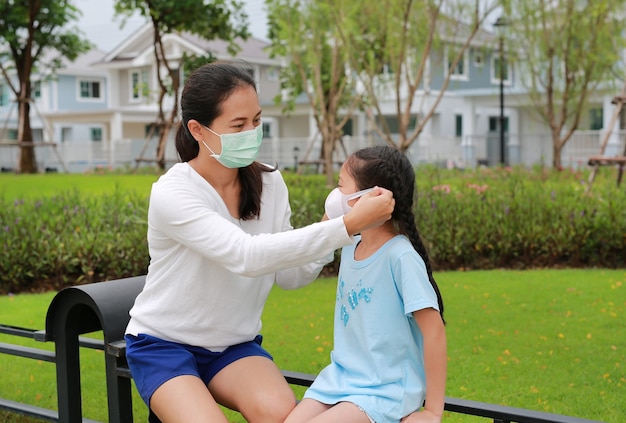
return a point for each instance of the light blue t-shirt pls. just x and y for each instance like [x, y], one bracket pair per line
[377, 362]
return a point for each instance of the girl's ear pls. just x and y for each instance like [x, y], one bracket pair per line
[195, 129]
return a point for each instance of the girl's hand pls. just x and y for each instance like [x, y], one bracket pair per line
[423, 416]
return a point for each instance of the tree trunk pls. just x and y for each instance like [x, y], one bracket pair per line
[28, 162]
[556, 154]
[164, 134]
[328, 149]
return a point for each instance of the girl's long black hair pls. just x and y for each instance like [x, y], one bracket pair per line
[388, 168]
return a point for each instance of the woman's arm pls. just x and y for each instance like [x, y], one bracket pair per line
[180, 213]
[435, 365]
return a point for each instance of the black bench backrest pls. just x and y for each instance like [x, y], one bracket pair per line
[97, 306]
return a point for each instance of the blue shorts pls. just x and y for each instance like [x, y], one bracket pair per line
[154, 361]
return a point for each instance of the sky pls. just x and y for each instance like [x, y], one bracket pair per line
[101, 27]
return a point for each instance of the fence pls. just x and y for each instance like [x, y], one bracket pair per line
[470, 151]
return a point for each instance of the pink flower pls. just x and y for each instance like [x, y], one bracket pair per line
[479, 188]
[444, 188]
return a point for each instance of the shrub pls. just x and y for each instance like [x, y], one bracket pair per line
[512, 218]
[72, 238]
[473, 219]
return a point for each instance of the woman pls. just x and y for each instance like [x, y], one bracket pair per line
[219, 236]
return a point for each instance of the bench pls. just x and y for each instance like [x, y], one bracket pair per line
[104, 306]
[620, 161]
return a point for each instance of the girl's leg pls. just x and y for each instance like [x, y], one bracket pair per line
[185, 399]
[306, 410]
[344, 412]
[256, 388]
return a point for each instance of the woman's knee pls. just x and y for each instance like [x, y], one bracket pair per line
[268, 406]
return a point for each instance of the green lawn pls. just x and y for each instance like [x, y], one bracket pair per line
[548, 340]
[15, 186]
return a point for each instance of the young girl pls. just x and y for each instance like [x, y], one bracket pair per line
[219, 237]
[389, 339]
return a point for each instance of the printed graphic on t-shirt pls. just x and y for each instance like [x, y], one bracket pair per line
[350, 299]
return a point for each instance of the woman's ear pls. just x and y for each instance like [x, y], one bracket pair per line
[195, 129]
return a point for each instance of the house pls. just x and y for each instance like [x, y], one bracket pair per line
[99, 109]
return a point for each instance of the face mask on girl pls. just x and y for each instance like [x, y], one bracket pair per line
[337, 202]
[239, 149]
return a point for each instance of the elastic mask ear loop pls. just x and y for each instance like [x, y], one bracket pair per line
[359, 193]
[209, 148]
[214, 133]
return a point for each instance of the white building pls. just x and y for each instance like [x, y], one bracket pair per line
[96, 115]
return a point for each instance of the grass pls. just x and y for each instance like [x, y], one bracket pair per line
[548, 340]
[36, 186]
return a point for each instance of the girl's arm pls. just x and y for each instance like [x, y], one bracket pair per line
[435, 365]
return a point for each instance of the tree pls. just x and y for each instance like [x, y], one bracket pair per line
[404, 44]
[304, 32]
[30, 30]
[219, 19]
[567, 49]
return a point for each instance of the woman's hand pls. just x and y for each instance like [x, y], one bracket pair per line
[371, 210]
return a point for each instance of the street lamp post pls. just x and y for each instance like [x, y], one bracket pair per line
[500, 25]
[295, 158]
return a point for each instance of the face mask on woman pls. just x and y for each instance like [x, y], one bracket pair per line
[239, 149]
[337, 202]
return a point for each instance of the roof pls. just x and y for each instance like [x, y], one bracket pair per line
[140, 45]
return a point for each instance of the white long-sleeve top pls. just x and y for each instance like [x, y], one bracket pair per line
[210, 273]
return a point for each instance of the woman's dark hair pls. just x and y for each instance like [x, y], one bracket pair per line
[202, 98]
[388, 168]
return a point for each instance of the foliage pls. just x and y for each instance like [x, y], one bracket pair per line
[472, 219]
[220, 19]
[70, 239]
[516, 219]
[565, 50]
[407, 44]
[306, 33]
[38, 37]
[542, 340]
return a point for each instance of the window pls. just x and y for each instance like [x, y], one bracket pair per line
[458, 125]
[596, 119]
[394, 124]
[494, 124]
[66, 134]
[90, 90]
[152, 130]
[96, 134]
[267, 129]
[461, 70]
[139, 84]
[496, 63]
[36, 89]
[272, 75]
[478, 58]
[347, 128]
[4, 99]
